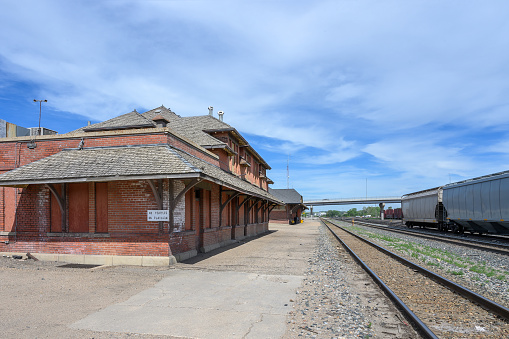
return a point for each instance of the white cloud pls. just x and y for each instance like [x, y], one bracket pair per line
[421, 157]
[329, 80]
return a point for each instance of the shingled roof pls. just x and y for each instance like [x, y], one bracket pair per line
[131, 120]
[198, 129]
[288, 196]
[189, 127]
[102, 163]
[125, 163]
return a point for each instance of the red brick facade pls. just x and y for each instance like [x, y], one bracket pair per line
[110, 218]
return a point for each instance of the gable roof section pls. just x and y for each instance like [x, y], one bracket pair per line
[183, 126]
[131, 120]
[126, 121]
[288, 196]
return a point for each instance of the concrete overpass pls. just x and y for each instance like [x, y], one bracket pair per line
[381, 201]
[353, 201]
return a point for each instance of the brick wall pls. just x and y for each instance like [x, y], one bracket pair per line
[28, 227]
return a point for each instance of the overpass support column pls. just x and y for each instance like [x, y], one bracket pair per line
[311, 211]
[382, 205]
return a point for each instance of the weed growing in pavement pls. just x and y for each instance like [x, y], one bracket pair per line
[424, 253]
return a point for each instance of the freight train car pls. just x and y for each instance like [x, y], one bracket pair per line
[480, 204]
[424, 208]
[393, 213]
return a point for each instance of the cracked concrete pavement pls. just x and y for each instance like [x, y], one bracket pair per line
[242, 291]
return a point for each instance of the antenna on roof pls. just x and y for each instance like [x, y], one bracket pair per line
[211, 110]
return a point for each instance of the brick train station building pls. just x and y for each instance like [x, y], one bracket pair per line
[291, 211]
[145, 189]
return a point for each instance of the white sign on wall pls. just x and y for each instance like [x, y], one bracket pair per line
[158, 215]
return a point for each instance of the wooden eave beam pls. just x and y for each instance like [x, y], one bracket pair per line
[157, 191]
[233, 196]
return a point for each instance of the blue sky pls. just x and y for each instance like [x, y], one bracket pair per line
[406, 94]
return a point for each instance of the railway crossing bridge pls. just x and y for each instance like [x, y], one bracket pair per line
[381, 201]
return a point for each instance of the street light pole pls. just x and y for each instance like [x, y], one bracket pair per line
[40, 109]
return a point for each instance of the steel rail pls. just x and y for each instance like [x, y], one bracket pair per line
[421, 327]
[502, 249]
[465, 292]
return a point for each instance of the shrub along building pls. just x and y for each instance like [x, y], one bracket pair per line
[146, 189]
[292, 209]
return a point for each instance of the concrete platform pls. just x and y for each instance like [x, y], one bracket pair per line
[241, 291]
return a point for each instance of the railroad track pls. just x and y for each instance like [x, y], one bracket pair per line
[437, 306]
[396, 223]
[472, 243]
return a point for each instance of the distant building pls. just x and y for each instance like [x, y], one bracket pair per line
[8, 130]
[41, 131]
[292, 210]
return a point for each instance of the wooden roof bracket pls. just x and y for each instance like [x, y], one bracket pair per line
[233, 196]
[243, 202]
[158, 195]
[261, 206]
[61, 199]
[294, 208]
[265, 206]
[158, 191]
[252, 205]
[175, 201]
[271, 208]
[221, 205]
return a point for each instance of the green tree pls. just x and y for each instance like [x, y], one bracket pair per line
[333, 213]
[352, 212]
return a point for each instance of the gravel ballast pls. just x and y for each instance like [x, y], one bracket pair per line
[448, 262]
[339, 300]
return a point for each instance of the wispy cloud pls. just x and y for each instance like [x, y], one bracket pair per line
[394, 88]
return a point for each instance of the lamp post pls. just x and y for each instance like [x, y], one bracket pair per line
[40, 109]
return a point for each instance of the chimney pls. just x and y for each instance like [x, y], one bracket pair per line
[89, 122]
[220, 113]
[211, 110]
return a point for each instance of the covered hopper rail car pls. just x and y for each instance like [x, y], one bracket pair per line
[476, 205]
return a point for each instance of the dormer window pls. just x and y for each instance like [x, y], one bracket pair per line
[160, 121]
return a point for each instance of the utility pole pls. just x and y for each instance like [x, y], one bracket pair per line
[40, 109]
[288, 172]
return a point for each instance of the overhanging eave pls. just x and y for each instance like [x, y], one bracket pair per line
[25, 183]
